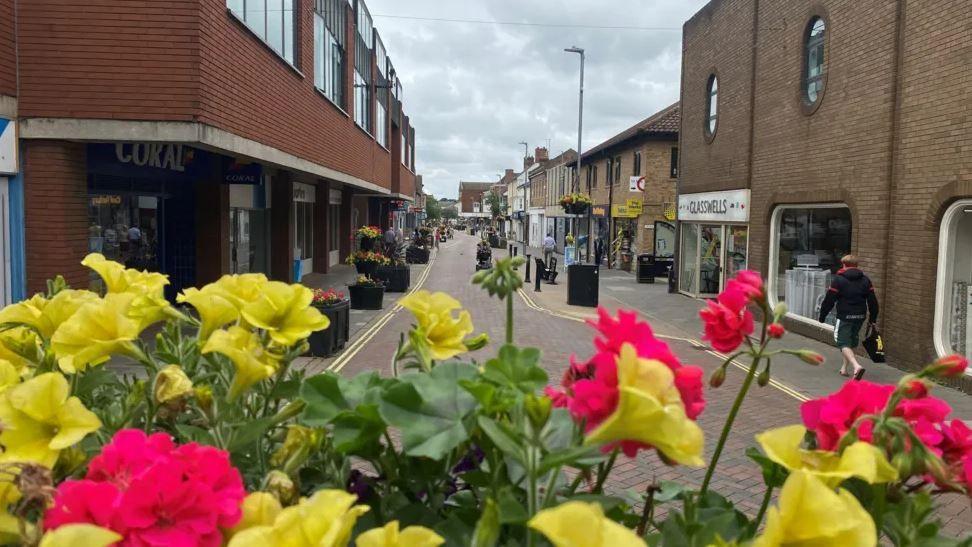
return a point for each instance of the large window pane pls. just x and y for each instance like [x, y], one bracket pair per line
[955, 285]
[689, 258]
[275, 25]
[809, 245]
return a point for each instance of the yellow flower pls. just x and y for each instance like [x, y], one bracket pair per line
[214, 307]
[326, 519]
[812, 513]
[88, 535]
[9, 375]
[259, 509]
[171, 383]
[22, 347]
[579, 524]
[862, 460]
[650, 410]
[437, 327]
[9, 524]
[284, 311]
[148, 309]
[119, 279]
[96, 332]
[40, 419]
[390, 536]
[253, 363]
[240, 289]
[43, 315]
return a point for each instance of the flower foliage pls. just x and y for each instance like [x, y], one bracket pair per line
[368, 232]
[330, 297]
[367, 257]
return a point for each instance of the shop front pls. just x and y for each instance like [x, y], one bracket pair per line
[623, 241]
[249, 227]
[713, 240]
[305, 196]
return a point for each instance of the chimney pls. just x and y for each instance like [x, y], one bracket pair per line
[509, 173]
[527, 162]
[542, 155]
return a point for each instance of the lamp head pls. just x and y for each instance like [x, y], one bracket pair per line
[575, 49]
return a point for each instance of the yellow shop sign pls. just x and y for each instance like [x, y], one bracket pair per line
[623, 211]
[635, 206]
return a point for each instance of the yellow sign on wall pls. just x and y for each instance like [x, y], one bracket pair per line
[622, 211]
[635, 205]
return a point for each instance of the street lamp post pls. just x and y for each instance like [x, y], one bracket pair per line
[580, 131]
[526, 154]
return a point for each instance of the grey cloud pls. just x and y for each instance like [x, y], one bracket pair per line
[474, 91]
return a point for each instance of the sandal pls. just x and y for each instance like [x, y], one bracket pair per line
[859, 374]
[844, 374]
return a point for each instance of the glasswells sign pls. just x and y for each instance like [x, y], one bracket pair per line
[728, 206]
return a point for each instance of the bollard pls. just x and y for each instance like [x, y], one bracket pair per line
[528, 269]
[510, 250]
[536, 286]
[515, 248]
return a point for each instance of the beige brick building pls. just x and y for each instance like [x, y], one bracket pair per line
[813, 129]
[632, 177]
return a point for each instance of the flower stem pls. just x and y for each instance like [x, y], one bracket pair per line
[762, 508]
[729, 421]
[509, 318]
[603, 473]
[648, 510]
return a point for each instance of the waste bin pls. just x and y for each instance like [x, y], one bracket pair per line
[646, 268]
[582, 285]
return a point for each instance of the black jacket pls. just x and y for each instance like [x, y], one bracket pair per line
[853, 293]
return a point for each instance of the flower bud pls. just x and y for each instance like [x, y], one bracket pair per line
[282, 487]
[300, 442]
[903, 462]
[775, 330]
[204, 397]
[951, 366]
[70, 460]
[171, 385]
[914, 388]
[718, 377]
[809, 357]
[764, 377]
[538, 410]
[476, 342]
[779, 311]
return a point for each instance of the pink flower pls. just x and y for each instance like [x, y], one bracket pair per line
[153, 492]
[775, 330]
[750, 282]
[916, 389]
[727, 321]
[688, 381]
[832, 416]
[925, 416]
[957, 441]
[951, 366]
[627, 329]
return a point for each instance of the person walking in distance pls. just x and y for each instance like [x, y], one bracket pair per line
[853, 294]
[549, 243]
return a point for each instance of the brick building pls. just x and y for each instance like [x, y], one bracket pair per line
[814, 129]
[631, 177]
[201, 137]
[471, 201]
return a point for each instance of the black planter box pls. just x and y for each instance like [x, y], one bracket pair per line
[417, 255]
[366, 268]
[329, 341]
[582, 285]
[395, 278]
[364, 297]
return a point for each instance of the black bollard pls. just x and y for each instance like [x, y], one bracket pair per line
[515, 250]
[536, 286]
[528, 269]
[510, 250]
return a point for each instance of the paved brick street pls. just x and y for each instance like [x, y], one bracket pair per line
[559, 332]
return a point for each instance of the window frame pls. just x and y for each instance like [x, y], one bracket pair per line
[673, 165]
[774, 254]
[710, 122]
[943, 278]
[238, 10]
[329, 72]
[364, 52]
[807, 106]
[617, 170]
[636, 164]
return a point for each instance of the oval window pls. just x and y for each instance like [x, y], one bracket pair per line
[712, 106]
[814, 62]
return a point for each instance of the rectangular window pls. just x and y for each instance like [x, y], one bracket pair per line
[808, 244]
[674, 165]
[271, 20]
[636, 168]
[617, 170]
[381, 107]
[405, 143]
[329, 50]
[609, 172]
[364, 39]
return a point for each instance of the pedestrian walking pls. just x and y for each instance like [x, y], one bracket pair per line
[549, 243]
[853, 294]
[598, 250]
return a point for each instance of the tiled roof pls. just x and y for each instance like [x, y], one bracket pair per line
[475, 186]
[666, 121]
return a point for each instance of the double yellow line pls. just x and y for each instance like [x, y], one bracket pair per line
[696, 343]
[362, 339]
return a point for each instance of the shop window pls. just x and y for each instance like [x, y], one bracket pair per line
[329, 48]
[711, 106]
[953, 314]
[271, 20]
[664, 239]
[814, 65]
[808, 243]
[124, 228]
[688, 258]
[303, 230]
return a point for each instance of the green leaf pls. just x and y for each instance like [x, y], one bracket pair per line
[488, 528]
[505, 438]
[196, 434]
[328, 395]
[517, 369]
[93, 379]
[511, 510]
[774, 474]
[432, 413]
[246, 433]
[566, 457]
[357, 432]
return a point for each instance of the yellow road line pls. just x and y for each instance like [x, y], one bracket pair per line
[362, 339]
[697, 343]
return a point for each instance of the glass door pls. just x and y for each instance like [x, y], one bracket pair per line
[737, 255]
[710, 259]
[688, 273]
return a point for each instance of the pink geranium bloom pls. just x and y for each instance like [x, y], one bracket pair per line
[727, 321]
[83, 501]
[749, 282]
[926, 415]
[832, 416]
[129, 452]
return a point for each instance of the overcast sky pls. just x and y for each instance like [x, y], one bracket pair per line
[473, 91]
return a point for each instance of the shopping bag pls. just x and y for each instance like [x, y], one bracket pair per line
[874, 344]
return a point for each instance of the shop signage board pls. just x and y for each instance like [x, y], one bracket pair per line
[304, 192]
[8, 146]
[165, 162]
[238, 172]
[727, 206]
[635, 205]
[599, 211]
[636, 184]
[623, 211]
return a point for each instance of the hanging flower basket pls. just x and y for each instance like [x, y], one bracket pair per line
[576, 203]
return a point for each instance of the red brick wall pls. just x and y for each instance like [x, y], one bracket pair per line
[467, 197]
[56, 207]
[8, 64]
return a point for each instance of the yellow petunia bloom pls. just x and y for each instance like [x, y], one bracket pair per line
[171, 383]
[9, 375]
[240, 289]
[43, 315]
[40, 419]
[96, 332]
[119, 279]
[390, 536]
[259, 509]
[88, 535]
[326, 519]
[215, 308]
[862, 460]
[438, 329]
[253, 363]
[580, 524]
[284, 311]
[21, 347]
[812, 513]
[650, 410]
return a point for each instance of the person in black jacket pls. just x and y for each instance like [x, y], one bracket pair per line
[853, 294]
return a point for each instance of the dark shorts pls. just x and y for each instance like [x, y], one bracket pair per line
[847, 333]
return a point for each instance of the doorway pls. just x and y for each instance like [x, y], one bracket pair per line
[710, 255]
